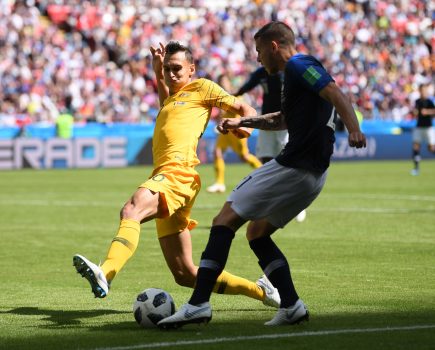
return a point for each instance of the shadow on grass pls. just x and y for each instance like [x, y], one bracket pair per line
[61, 318]
[73, 329]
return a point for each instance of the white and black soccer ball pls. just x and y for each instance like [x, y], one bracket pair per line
[151, 306]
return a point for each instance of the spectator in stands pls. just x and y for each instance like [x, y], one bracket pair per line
[96, 51]
[65, 121]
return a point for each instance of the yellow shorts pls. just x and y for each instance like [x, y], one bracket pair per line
[178, 188]
[239, 146]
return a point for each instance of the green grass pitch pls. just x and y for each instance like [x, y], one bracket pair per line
[363, 261]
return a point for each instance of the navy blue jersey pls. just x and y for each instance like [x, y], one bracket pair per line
[309, 117]
[271, 84]
[423, 121]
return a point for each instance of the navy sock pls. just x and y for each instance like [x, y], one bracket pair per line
[276, 268]
[416, 158]
[212, 263]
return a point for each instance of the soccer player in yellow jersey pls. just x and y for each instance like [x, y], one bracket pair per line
[169, 193]
[225, 141]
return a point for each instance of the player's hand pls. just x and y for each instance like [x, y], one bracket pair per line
[158, 56]
[357, 139]
[226, 124]
[233, 125]
[242, 132]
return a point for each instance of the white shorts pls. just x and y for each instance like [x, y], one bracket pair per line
[276, 193]
[424, 135]
[270, 143]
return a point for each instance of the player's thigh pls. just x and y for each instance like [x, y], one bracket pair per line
[240, 146]
[419, 135]
[229, 218]
[223, 141]
[178, 188]
[275, 193]
[144, 205]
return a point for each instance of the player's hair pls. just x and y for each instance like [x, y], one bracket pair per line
[277, 31]
[174, 47]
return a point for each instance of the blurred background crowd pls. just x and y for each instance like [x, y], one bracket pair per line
[92, 57]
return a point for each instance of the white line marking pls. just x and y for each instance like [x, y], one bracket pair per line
[381, 196]
[381, 210]
[269, 336]
[62, 203]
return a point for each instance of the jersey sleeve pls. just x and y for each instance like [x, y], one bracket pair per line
[309, 73]
[253, 80]
[214, 96]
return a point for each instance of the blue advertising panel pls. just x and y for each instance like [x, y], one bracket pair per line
[119, 145]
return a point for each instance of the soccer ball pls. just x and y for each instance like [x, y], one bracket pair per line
[151, 306]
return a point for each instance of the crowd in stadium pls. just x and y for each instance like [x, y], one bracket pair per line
[97, 51]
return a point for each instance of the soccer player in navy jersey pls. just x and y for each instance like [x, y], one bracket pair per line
[269, 142]
[423, 131]
[275, 193]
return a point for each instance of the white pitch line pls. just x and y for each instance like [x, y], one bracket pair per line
[64, 203]
[380, 196]
[56, 202]
[269, 336]
[388, 197]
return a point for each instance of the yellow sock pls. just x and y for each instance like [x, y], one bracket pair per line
[231, 284]
[122, 248]
[219, 168]
[253, 161]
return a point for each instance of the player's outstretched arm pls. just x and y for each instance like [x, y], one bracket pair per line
[158, 55]
[270, 121]
[344, 108]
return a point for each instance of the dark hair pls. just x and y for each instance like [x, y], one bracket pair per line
[174, 47]
[277, 31]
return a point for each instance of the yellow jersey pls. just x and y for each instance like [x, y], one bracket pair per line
[182, 120]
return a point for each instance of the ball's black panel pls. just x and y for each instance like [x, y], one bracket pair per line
[142, 297]
[138, 315]
[154, 318]
[159, 299]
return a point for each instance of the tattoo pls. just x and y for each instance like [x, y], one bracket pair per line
[270, 121]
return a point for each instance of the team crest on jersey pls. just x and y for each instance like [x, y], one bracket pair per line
[311, 75]
[158, 177]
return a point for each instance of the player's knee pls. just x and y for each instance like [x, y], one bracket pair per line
[127, 210]
[220, 220]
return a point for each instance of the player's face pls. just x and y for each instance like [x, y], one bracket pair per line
[424, 92]
[177, 71]
[266, 56]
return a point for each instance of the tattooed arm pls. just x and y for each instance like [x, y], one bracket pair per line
[270, 121]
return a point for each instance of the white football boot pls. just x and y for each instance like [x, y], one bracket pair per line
[291, 315]
[301, 216]
[272, 297]
[93, 273]
[216, 188]
[187, 314]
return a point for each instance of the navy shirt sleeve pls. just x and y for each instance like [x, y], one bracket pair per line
[308, 72]
[252, 82]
